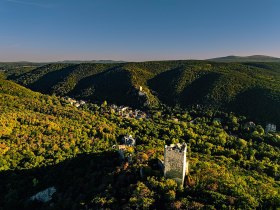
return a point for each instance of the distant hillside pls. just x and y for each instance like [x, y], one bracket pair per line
[16, 68]
[253, 58]
[251, 89]
[90, 61]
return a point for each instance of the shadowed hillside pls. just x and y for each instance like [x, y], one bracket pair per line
[265, 106]
[183, 83]
[75, 180]
[198, 90]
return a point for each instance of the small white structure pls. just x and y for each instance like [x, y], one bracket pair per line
[77, 105]
[175, 119]
[141, 93]
[82, 102]
[113, 106]
[70, 100]
[129, 140]
[270, 128]
[44, 196]
[175, 162]
[249, 125]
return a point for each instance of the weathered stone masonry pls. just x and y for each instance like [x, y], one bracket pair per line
[175, 162]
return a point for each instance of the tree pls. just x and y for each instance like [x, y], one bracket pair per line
[142, 197]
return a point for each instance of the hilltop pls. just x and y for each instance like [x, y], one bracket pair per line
[46, 143]
[252, 58]
[251, 89]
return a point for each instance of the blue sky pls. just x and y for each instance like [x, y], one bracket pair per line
[137, 30]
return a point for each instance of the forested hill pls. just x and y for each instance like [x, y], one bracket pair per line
[251, 89]
[46, 143]
[252, 58]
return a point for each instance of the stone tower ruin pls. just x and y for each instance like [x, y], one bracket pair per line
[175, 162]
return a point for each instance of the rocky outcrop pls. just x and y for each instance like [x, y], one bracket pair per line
[44, 196]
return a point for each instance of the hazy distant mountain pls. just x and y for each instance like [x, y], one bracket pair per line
[90, 61]
[252, 58]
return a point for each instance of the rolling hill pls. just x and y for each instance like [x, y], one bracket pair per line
[47, 143]
[252, 58]
[251, 89]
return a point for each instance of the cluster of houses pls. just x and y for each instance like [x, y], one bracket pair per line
[127, 112]
[122, 111]
[269, 128]
[74, 102]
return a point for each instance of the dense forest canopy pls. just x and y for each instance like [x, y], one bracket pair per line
[47, 142]
[249, 88]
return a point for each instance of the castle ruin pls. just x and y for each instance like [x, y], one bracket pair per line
[175, 162]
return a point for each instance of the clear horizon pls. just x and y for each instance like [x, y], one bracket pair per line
[57, 30]
[53, 61]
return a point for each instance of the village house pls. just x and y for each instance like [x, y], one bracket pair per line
[270, 128]
[249, 125]
[128, 140]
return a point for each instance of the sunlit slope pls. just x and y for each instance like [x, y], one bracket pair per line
[46, 142]
[43, 128]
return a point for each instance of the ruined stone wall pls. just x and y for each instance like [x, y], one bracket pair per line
[175, 164]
